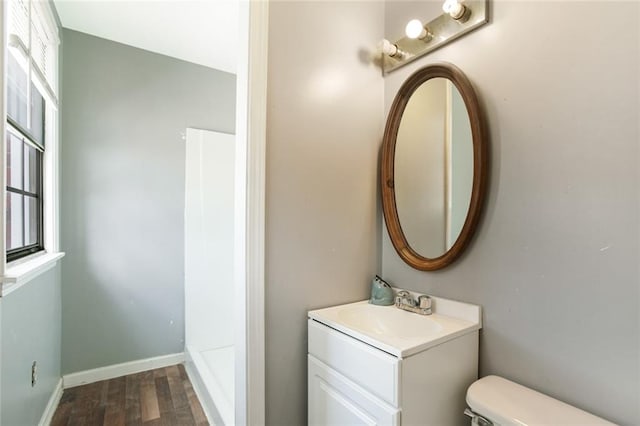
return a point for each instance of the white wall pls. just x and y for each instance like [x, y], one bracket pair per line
[324, 126]
[209, 224]
[555, 259]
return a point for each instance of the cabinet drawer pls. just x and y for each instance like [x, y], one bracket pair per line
[335, 400]
[374, 370]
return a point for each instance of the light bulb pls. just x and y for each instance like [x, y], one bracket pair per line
[415, 29]
[388, 48]
[454, 9]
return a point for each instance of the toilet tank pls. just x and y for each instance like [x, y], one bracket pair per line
[506, 403]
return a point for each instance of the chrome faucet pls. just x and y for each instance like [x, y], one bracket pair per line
[406, 302]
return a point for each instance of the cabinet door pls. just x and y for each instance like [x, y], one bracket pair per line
[335, 400]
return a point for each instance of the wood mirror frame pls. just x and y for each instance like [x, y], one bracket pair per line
[480, 166]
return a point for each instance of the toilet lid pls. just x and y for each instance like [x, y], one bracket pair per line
[507, 403]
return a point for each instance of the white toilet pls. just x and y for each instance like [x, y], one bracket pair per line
[497, 401]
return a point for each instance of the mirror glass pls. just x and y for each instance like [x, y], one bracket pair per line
[433, 167]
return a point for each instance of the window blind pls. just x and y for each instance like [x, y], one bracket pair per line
[44, 42]
[19, 20]
[38, 40]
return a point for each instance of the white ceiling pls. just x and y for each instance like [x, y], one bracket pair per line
[204, 32]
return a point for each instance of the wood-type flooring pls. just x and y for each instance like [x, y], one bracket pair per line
[162, 397]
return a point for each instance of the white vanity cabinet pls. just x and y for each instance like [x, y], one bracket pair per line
[357, 375]
[350, 382]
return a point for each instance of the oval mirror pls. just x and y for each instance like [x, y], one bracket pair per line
[433, 170]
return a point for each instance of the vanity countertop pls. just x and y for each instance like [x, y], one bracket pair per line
[399, 332]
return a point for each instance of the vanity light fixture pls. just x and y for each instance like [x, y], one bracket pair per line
[415, 29]
[459, 18]
[456, 10]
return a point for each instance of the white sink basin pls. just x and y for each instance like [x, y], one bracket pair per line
[398, 332]
[381, 321]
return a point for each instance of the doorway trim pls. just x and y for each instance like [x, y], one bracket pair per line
[251, 124]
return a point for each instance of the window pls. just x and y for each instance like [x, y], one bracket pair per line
[30, 122]
[24, 231]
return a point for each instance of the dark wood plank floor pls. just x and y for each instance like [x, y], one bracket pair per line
[157, 397]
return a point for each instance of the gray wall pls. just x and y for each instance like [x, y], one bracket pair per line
[30, 319]
[124, 115]
[555, 260]
[324, 125]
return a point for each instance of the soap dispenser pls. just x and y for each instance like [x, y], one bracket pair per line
[381, 292]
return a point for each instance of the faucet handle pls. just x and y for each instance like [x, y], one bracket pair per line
[424, 302]
[402, 297]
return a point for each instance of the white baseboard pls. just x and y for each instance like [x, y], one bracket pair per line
[200, 389]
[118, 370]
[50, 409]
[207, 390]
